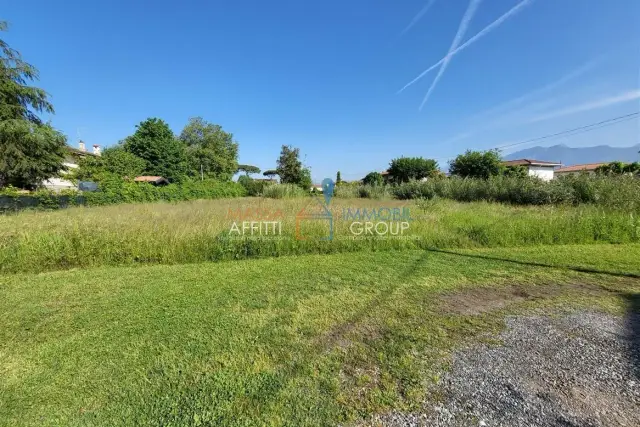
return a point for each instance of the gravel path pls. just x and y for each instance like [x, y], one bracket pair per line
[577, 370]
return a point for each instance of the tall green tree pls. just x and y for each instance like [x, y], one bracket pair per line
[155, 143]
[477, 164]
[338, 178]
[290, 167]
[406, 169]
[210, 150]
[30, 151]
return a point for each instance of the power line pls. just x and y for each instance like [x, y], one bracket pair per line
[574, 131]
[586, 128]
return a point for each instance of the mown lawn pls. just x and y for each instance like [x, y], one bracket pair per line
[302, 340]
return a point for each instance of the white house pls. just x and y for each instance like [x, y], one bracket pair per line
[538, 168]
[71, 162]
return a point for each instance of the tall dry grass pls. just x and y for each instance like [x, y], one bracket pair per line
[200, 230]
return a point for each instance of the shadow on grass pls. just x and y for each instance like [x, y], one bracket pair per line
[538, 264]
[633, 330]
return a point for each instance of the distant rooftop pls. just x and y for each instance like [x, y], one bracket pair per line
[577, 168]
[530, 162]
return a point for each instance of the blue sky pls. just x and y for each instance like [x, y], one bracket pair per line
[324, 76]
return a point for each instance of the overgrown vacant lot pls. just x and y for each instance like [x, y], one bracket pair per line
[301, 340]
[161, 233]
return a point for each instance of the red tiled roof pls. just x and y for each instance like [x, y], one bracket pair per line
[578, 168]
[530, 162]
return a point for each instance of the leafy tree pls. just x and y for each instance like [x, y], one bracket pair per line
[406, 169]
[618, 168]
[515, 171]
[290, 167]
[154, 142]
[305, 179]
[114, 161]
[248, 169]
[17, 98]
[210, 149]
[338, 178]
[476, 164]
[373, 178]
[30, 151]
[270, 173]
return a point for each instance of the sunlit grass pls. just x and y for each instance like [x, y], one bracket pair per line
[200, 231]
[302, 340]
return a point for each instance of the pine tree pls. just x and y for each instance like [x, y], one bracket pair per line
[30, 151]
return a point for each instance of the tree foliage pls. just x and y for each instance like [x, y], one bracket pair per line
[270, 173]
[114, 161]
[405, 169]
[18, 100]
[515, 171]
[618, 168]
[477, 164]
[248, 169]
[373, 178]
[210, 149]
[290, 167]
[30, 151]
[338, 178]
[154, 142]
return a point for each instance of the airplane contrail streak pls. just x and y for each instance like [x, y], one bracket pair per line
[462, 29]
[473, 39]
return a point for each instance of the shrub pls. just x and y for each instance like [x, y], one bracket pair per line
[619, 192]
[114, 190]
[373, 178]
[253, 187]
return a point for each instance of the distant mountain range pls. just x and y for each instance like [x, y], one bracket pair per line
[575, 156]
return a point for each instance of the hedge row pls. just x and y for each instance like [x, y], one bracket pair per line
[117, 191]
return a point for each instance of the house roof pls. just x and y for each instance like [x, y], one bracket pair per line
[578, 168]
[151, 179]
[530, 162]
[80, 152]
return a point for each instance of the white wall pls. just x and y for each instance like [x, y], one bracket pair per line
[57, 184]
[543, 172]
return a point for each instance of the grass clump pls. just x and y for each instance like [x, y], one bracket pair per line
[283, 191]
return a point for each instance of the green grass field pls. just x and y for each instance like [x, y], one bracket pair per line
[300, 340]
[188, 232]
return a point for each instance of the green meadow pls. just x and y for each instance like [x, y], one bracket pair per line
[302, 340]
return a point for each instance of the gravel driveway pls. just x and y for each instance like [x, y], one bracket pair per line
[576, 370]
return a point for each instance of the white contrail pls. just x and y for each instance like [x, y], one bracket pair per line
[416, 18]
[630, 95]
[520, 99]
[462, 29]
[473, 39]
